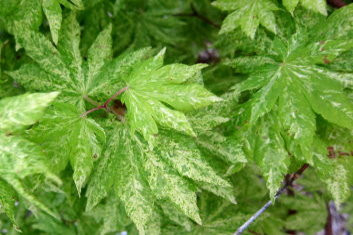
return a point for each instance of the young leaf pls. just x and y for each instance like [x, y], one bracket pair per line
[149, 84]
[248, 15]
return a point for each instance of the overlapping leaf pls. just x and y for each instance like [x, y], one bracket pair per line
[291, 82]
[18, 15]
[66, 136]
[151, 176]
[20, 158]
[63, 69]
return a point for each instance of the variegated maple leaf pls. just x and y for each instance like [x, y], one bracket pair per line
[290, 84]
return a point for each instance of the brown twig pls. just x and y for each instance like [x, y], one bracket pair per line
[288, 182]
[328, 225]
[106, 103]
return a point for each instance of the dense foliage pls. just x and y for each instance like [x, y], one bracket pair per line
[174, 116]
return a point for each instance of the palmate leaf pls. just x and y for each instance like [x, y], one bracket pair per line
[63, 69]
[20, 158]
[291, 83]
[248, 15]
[22, 14]
[150, 83]
[142, 177]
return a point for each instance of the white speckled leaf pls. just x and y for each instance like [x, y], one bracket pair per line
[69, 45]
[7, 200]
[182, 153]
[328, 100]
[313, 5]
[248, 15]
[52, 11]
[298, 118]
[104, 176]
[270, 154]
[18, 112]
[67, 136]
[166, 184]
[41, 50]
[150, 85]
[20, 158]
[331, 173]
[134, 192]
[99, 53]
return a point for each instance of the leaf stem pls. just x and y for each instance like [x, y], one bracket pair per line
[105, 105]
[295, 176]
[114, 96]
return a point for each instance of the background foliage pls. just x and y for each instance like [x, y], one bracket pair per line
[216, 103]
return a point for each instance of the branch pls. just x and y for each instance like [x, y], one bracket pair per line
[105, 105]
[295, 176]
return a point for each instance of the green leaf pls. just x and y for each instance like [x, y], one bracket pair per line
[248, 15]
[154, 176]
[150, 84]
[270, 154]
[16, 113]
[133, 191]
[166, 184]
[67, 136]
[7, 200]
[313, 5]
[298, 119]
[99, 53]
[333, 174]
[45, 54]
[184, 156]
[69, 45]
[290, 80]
[52, 11]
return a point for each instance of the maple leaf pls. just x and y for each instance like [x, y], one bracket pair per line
[291, 82]
[151, 176]
[20, 158]
[150, 83]
[248, 15]
[63, 69]
[21, 14]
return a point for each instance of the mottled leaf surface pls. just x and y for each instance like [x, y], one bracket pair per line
[248, 15]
